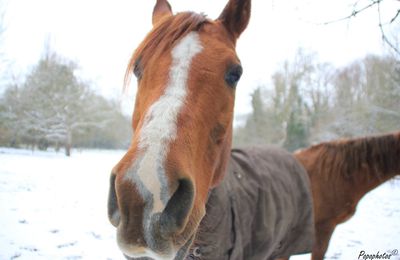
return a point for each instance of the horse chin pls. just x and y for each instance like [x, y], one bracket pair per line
[174, 248]
[149, 255]
[180, 255]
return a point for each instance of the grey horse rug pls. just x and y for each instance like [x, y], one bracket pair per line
[261, 210]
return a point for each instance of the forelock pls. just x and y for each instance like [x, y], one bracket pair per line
[163, 37]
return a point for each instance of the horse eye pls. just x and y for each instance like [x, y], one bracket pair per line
[137, 70]
[233, 75]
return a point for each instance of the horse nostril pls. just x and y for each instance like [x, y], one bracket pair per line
[113, 211]
[174, 217]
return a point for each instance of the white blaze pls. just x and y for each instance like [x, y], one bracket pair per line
[159, 127]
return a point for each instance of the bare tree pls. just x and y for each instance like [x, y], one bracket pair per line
[384, 23]
[293, 108]
[367, 94]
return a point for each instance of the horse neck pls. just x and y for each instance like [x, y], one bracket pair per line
[370, 181]
[359, 164]
[376, 160]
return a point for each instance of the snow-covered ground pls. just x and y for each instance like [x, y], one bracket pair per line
[54, 207]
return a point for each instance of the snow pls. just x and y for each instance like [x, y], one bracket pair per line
[54, 207]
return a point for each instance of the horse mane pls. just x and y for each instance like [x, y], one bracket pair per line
[380, 154]
[162, 37]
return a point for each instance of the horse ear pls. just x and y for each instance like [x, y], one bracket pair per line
[161, 9]
[236, 16]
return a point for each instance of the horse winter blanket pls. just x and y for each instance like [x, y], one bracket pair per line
[261, 210]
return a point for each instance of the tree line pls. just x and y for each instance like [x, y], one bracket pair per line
[309, 101]
[54, 108]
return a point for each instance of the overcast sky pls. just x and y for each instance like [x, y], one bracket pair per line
[101, 35]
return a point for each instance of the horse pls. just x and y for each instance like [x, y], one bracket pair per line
[341, 172]
[187, 71]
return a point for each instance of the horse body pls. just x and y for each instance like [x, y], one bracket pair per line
[341, 173]
[262, 209]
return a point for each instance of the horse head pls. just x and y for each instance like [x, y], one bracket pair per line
[187, 70]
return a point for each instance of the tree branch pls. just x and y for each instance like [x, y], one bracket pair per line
[395, 17]
[358, 11]
[354, 13]
[384, 38]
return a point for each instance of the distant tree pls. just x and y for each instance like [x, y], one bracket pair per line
[382, 86]
[54, 102]
[311, 102]
[319, 95]
[9, 114]
[289, 108]
[367, 97]
[54, 108]
[116, 132]
[296, 133]
[255, 129]
[297, 122]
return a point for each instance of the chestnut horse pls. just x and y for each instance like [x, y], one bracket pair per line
[187, 70]
[341, 172]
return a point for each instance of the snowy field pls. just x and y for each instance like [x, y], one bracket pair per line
[54, 207]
